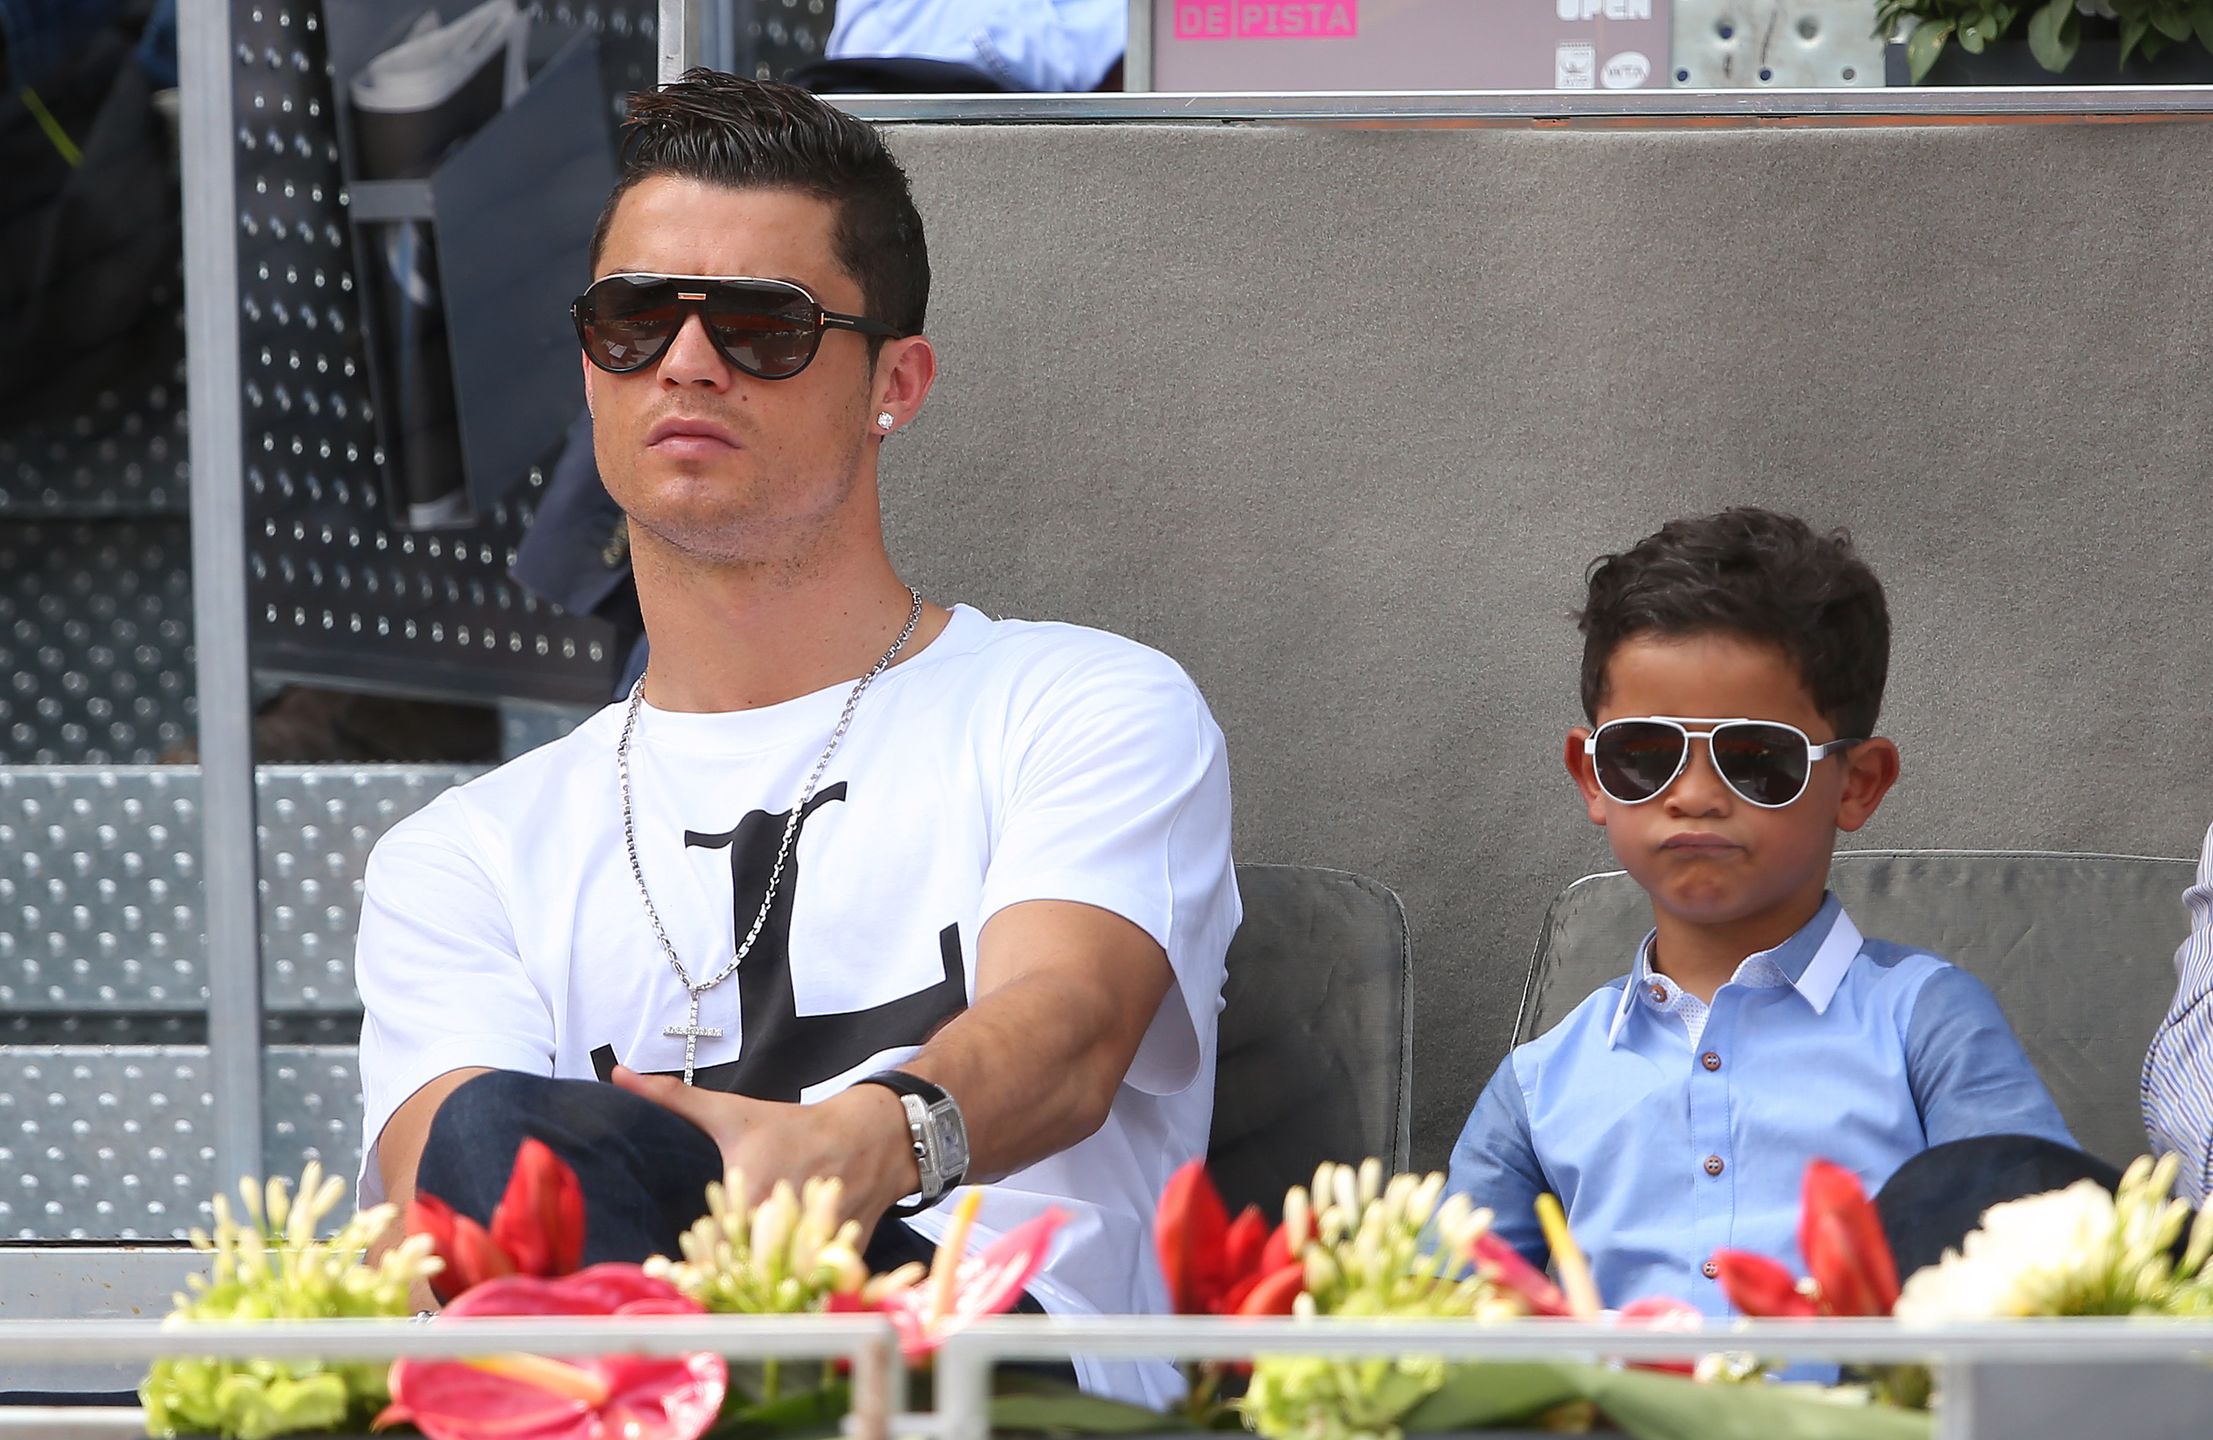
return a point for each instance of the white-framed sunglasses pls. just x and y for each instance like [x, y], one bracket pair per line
[1766, 762]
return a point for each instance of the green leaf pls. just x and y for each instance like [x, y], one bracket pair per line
[1476, 1396]
[2173, 24]
[2201, 20]
[1970, 36]
[2054, 34]
[1671, 1407]
[808, 1415]
[1072, 1412]
[1924, 45]
[2133, 32]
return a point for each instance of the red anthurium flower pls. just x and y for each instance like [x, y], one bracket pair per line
[1191, 1232]
[1760, 1288]
[958, 1291]
[529, 1397]
[1663, 1312]
[1242, 1248]
[467, 1248]
[1272, 1293]
[539, 1222]
[1214, 1266]
[1841, 1236]
[1503, 1265]
[537, 1227]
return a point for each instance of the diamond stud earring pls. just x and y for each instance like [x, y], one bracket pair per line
[883, 421]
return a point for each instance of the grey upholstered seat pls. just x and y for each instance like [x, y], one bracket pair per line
[1316, 1053]
[2079, 949]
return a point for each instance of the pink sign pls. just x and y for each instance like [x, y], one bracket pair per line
[1267, 19]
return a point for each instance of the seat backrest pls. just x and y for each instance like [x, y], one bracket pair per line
[2079, 950]
[1316, 1052]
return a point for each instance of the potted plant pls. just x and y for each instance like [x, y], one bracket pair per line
[2042, 42]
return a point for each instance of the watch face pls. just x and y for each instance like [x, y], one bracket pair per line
[949, 1139]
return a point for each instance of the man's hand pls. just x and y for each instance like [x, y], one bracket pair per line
[1064, 993]
[858, 1136]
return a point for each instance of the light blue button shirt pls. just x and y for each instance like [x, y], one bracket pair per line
[1671, 1128]
[1047, 45]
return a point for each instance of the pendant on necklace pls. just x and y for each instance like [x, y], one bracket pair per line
[692, 1033]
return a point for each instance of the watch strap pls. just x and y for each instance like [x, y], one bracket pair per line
[904, 1085]
[899, 1082]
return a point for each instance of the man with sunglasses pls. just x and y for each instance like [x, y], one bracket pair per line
[849, 884]
[1733, 667]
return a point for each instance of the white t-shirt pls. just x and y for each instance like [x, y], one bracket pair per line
[1008, 761]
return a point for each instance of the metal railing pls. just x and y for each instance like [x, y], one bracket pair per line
[964, 1365]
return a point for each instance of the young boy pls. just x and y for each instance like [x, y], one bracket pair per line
[1732, 670]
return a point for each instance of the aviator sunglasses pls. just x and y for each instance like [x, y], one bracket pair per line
[1766, 762]
[770, 329]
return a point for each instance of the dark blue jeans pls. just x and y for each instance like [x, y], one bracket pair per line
[1939, 1195]
[644, 1169]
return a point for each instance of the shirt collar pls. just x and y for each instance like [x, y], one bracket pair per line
[1814, 959]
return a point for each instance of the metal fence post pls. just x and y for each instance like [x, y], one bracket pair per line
[679, 36]
[227, 849]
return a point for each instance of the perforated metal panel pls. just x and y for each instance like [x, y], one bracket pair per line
[123, 454]
[1812, 43]
[95, 640]
[523, 727]
[100, 893]
[317, 825]
[104, 1077]
[777, 35]
[336, 589]
[311, 1107]
[104, 1143]
[99, 890]
[110, 1142]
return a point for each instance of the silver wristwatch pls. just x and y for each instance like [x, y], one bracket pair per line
[935, 1129]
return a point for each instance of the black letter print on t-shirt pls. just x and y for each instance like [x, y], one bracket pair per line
[782, 1051]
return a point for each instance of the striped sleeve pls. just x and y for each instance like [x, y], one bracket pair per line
[2178, 1071]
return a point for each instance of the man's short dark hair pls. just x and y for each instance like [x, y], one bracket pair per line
[764, 135]
[1753, 575]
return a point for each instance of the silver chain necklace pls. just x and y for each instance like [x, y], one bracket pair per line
[691, 1031]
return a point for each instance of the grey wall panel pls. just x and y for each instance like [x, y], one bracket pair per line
[1338, 416]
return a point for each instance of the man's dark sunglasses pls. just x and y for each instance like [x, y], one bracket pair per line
[770, 329]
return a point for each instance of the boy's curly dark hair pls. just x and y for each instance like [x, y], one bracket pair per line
[1759, 576]
[764, 135]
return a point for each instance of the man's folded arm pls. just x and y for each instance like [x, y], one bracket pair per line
[1107, 911]
[1110, 904]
